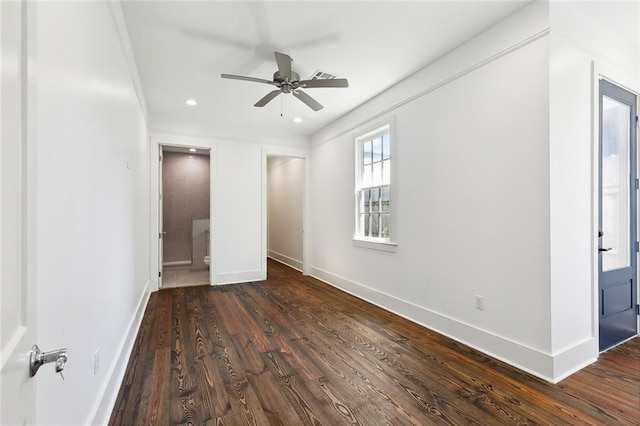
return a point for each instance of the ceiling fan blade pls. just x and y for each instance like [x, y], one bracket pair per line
[284, 64]
[311, 103]
[265, 100]
[334, 82]
[242, 77]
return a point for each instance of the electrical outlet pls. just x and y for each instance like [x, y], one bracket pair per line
[96, 362]
[480, 303]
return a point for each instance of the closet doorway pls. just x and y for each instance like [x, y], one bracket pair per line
[184, 216]
[285, 207]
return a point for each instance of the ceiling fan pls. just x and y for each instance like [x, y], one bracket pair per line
[288, 81]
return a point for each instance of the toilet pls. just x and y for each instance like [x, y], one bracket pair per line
[207, 260]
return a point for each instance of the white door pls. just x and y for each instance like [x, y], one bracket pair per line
[17, 295]
[161, 232]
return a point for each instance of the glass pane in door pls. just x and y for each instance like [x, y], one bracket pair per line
[615, 184]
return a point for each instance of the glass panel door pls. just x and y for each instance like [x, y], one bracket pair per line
[616, 169]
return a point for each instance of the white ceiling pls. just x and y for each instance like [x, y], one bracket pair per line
[181, 48]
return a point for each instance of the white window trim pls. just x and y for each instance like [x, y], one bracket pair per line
[383, 244]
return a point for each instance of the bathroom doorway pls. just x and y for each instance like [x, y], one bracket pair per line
[285, 210]
[184, 214]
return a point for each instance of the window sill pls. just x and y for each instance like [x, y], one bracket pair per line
[376, 245]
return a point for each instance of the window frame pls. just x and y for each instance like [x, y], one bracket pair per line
[359, 239]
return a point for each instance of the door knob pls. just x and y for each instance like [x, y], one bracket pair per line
[38, 358]
[604, 249]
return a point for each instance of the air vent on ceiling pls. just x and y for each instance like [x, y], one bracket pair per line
[322, 75]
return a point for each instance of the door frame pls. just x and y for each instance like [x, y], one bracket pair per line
[304, 155]
[631, 84]
[17, 389]
[156, 141]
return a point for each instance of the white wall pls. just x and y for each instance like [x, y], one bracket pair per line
[587, 39]
[238, 203]
[471, 196]
[494, 192]
[92, 208]
[285, 206]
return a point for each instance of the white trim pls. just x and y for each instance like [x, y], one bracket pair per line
[375, 245]
[471, 68]
[285, 260]
[157, 140]
[125, 41]
[549, 367]
[101, 411]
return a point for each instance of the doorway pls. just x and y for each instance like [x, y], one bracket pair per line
[285, 207]
[184, 216]
[618, 186]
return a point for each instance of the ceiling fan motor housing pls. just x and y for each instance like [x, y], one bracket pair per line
[286, 84]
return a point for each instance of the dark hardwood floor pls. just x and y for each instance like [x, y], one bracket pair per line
[294, 351]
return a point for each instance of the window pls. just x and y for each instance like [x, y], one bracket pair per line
[373, 186]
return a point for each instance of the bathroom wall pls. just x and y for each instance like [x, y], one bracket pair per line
[185, 194]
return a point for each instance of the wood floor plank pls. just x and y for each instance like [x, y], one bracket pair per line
[292, 350]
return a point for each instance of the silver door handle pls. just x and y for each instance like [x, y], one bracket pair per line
[604, 249]
[38, 358]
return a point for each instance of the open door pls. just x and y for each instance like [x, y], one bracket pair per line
[17, 292]
[160, 218]
[617, 251]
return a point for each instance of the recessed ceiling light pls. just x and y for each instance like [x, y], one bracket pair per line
[297, 120]
[191, 102]
[192, 149]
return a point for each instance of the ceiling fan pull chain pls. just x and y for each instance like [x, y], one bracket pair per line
[281, 104]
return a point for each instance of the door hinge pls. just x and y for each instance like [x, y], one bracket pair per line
[160, 157]
[637, 309]
[159, 234]
[637, 183]
[159, 274]
[637, 246]
[160, 197]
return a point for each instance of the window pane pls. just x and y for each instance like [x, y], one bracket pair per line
[374, 225]
[615, 183]
[375, 200]
[377, 174]
[366, 152]
[384, 199]
[384, 218]
[386, 171]
[366, 175]
[386, 146]
[365, 220]
[365, 201]
[377, 149]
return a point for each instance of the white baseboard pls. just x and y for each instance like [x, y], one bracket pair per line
[536, 362]
[574, 358]
[101, 411]
[240, 277]
[177, 263]
[286, 260]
